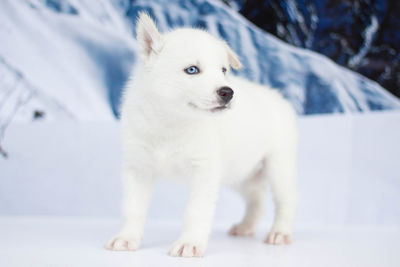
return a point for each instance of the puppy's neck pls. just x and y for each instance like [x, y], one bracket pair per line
[164, 117]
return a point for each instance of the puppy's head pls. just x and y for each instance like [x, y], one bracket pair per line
[187, 67]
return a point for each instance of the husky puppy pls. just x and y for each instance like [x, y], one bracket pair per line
[185, 116]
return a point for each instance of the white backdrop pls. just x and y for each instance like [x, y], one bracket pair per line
[349, 172]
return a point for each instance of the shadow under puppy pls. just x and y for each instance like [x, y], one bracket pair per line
[186, 117]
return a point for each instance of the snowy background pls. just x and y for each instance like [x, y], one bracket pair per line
[63, 64]
[362, 35]
[69, 59]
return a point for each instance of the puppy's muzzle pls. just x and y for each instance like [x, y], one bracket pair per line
[225, 94]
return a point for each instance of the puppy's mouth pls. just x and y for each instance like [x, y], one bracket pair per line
[214, 109]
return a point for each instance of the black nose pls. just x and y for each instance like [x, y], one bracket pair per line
[225, 93]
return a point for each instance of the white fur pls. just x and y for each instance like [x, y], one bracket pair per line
[169, 129]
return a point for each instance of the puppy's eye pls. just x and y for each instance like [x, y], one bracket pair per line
[192, 70]
[224, 70]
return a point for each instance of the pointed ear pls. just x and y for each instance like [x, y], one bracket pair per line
[147, 35]
[233, 58]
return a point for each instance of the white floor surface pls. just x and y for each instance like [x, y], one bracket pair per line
[74, 241]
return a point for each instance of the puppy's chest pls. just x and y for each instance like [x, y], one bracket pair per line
[175, 152]
[172, 159]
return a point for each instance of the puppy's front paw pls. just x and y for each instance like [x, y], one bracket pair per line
[241, 230]
[123, 242]
[278, 238]
[186, 249]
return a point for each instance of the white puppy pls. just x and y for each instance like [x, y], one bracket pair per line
[184, 116]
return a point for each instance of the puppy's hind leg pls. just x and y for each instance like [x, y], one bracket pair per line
[254, 191]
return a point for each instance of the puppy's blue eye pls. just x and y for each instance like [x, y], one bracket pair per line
[224, 70]
[192, 70]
